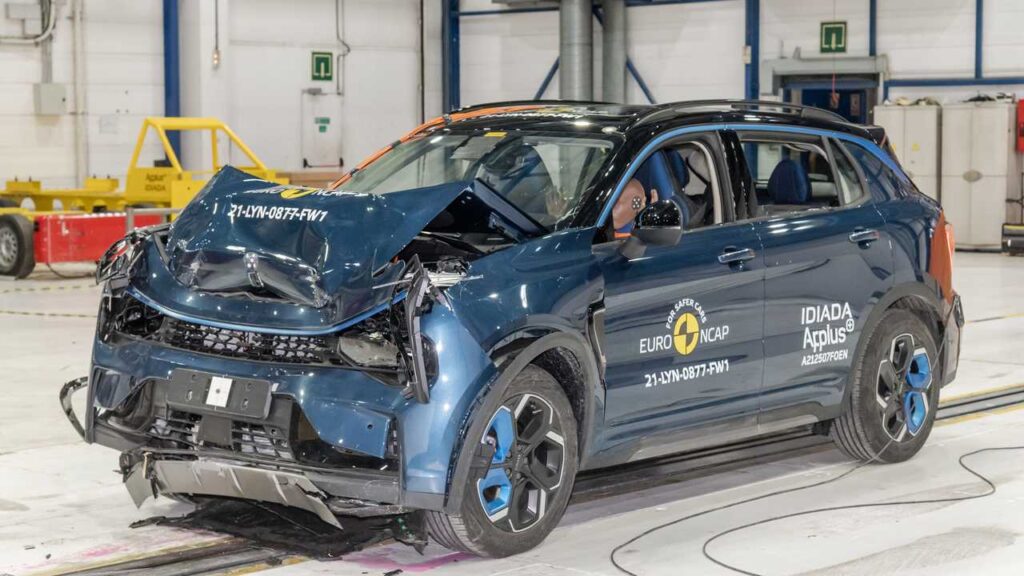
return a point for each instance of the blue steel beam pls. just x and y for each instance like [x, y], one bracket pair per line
[979, 37]
[547, 81]
[450, 78]
[172, 75]
[640, 81]
[950, 82]
[872, 27]
[752, 78]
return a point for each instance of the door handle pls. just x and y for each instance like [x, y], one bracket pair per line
[864, 236]
[732, 255]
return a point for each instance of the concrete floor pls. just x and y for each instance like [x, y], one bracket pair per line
[62, 507]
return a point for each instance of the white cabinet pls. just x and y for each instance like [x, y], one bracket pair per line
[914, 134]
[980, 171]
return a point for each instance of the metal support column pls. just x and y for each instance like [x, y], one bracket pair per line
[576, 50]
[613, 54]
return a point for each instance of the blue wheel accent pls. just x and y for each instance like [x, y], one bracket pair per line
[495, 490]
[915, 401]
[502, 428]
[920, 375]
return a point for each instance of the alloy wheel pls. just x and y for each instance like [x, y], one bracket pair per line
[524, 452]
[904, 379]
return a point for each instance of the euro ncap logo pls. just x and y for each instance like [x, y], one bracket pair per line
[293, 193]
[686, 333]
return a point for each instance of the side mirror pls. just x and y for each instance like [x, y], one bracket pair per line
[659, 224]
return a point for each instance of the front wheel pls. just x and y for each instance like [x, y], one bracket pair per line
[524, 463]
[890, 410]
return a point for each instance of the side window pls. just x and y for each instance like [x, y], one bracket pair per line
[697, 185]
[790, 173]
[850, 189]
[684, 173]
[881, 180]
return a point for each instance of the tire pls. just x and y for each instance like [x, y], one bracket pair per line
[529, 445]
[890, 410]
[17, 255]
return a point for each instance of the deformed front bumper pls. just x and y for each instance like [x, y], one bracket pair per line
[213, 478]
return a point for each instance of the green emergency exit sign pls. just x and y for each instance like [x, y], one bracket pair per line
[833, 37]
[323, 66]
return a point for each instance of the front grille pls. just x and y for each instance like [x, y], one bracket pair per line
[248, 345]
[260, 440]
[182, 428]
[285, 436]
[178, 427]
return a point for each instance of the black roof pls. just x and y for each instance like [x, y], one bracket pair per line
[595, 117]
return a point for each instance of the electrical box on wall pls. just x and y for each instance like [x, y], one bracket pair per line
[321, 129]
[50, 99]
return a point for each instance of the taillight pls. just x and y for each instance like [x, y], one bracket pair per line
[940, 265]
[950, 241]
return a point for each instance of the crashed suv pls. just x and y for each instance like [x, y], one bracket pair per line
[515, 293]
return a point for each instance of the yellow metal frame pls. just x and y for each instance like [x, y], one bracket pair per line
[168, 186]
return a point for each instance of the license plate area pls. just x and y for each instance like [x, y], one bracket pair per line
[203, 392]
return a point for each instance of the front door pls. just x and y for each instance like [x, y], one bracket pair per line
[683, 324]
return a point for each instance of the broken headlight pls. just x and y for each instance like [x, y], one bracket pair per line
[368, 349]
[119, 258]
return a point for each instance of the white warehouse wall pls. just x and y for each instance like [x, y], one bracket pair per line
[265, 64]
[922, 38]
[124, 83]
[269, 50]
[695, 50]
[683, 51]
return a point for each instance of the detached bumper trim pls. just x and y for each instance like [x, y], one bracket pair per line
[210, 478]
[66, 392]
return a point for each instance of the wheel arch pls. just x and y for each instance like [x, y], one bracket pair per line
[568, 357]
[913, 297]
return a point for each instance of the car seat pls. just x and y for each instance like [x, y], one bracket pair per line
[789, 187]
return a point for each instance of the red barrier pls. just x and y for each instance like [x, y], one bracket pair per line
[80, 237]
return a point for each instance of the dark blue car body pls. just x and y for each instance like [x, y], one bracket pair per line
[738, 296]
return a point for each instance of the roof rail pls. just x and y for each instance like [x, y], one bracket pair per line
[529, 102]
[741, 105]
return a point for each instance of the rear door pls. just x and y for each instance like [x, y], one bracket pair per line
[826, 264]
[683, 324]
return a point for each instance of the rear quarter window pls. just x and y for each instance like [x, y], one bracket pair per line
[882, 181]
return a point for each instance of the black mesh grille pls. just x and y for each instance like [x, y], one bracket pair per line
[249, 345]
[260, 440]
[177, 426]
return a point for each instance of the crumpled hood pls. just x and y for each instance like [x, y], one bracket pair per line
[327, 249]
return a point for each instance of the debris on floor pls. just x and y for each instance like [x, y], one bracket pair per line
[294, 530]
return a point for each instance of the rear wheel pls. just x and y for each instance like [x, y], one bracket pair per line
[16, 252]
[891, 408]
[523, 466]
